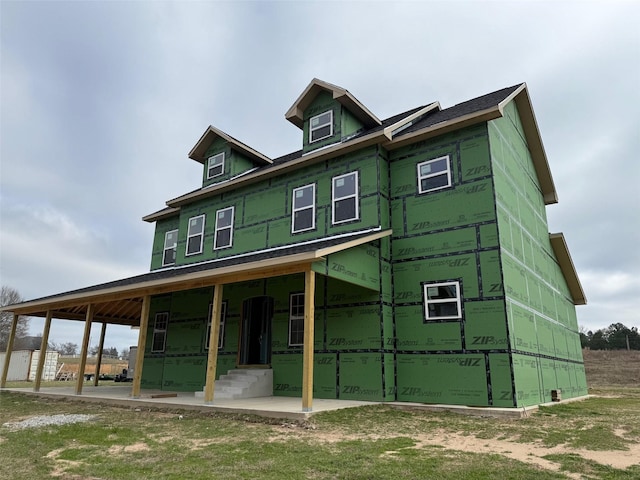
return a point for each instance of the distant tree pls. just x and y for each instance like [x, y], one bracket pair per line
[110, 352]
[68, 348]
[124, 354]
[93, 351]
[598, 341]
[618, 336]
[584, 338]
[9, 296]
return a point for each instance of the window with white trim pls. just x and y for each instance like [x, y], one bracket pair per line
[303, 210]
[215, 165]
[170, 246]
[195, 235]
[296, 319]
[321, 126]
[223, 236]
[344, 198]
[434, 174]
[223, 317]
[160, 332]
[442, 301]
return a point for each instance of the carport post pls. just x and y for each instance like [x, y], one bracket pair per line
[7, 357]
[307, 351]
[99, 359]
[142, 343]
[85, 349]
[43, 351]
[214, 336]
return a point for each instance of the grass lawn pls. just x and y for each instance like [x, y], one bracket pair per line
[598, 438]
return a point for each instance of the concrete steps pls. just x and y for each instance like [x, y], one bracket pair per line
[243, 383]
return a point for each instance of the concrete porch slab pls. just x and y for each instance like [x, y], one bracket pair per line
[270, 407]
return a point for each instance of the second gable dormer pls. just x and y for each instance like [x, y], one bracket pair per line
[328, 114]
[223, 157]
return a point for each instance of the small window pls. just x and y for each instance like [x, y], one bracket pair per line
[442, 301]
[344, 198]
[321, 126]
[160, 332]
[224, 228]
[195, 235]
[170, 245]
[215, 165]
[223, 317]
[296, 319]
[434, 174]
[303, 212]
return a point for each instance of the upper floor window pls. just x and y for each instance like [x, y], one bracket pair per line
[442, 301]
[434, 174]
[223, 236]
[160, 332]
[195, 235]
[303, 211]
[223, 316]
[344, 198]
[321, 126]
[215, 165]
[296, 319]
[169, 250]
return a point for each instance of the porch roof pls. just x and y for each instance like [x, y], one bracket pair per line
[120, 301]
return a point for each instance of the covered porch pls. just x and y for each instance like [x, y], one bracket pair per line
[127, 302]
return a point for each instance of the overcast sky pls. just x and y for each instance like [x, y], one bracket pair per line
[102, 101]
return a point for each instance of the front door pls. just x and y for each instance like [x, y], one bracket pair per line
[255, 331]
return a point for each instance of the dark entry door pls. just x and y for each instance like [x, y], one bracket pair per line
[255, 333]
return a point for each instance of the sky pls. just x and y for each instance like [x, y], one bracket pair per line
[102, 101]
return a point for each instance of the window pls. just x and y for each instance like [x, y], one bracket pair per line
[321, 126]
[434, 174]
[442, 301]
[296, 319]
[303, 212]
[170, 245]
[215, 165]
[195, 235]
[344, 198]
[223, 317]
[223, 236]
[160, 332]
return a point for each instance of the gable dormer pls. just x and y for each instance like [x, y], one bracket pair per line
[328, 114]
[223, 157]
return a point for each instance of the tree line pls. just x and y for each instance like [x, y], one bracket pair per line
[615, 337]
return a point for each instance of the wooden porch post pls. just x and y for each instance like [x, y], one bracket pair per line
[307, 354]
[212, 359]
[7, 357]
[85, 349]
[43, 351]
[99, 359]
[142, 343]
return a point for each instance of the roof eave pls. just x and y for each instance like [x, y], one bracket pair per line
[561, 251]
[534, 142]
[444, 127]
[260, 175]
[343, 96]
[161, 214]
[197, 153]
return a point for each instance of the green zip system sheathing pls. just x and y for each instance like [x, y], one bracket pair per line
[543, 329]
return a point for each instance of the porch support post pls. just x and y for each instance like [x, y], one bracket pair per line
[43, 351]
[7, 356]
[212, 359]
[85, 349]
[142, 343]
[307, 355]
[99, 359]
